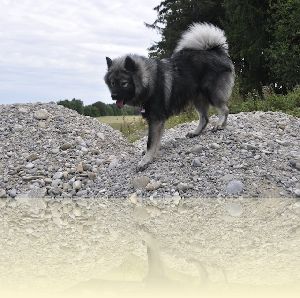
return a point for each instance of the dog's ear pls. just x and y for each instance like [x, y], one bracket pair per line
[109, 62]
[130, 64]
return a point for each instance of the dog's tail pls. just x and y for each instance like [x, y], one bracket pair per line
[202, 36]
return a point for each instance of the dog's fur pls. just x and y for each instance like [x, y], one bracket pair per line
[200, 71]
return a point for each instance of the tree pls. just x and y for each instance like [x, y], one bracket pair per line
[173, 17]
[245, 24]
[74, 104]
[284, 51]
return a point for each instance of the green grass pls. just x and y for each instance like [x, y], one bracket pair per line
[132, 127]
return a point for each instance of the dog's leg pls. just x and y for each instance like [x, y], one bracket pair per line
[223, 112]
[202, 108]
[155, 131]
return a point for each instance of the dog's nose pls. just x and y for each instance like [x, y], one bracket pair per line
[114, 96]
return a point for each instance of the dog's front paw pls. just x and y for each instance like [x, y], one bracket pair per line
[217, 128]
[144, 163]
[142, 166]
[191, 135]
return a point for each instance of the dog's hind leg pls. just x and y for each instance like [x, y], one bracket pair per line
[155, 131]
[220, 96]
[223, 112]
[202, 106]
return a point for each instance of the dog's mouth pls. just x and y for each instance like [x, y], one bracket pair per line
[120, 103]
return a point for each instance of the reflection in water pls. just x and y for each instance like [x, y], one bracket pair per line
[113, 247]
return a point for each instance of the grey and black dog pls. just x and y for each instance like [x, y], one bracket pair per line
[200, 71]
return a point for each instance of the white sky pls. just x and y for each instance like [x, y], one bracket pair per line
[56, 49]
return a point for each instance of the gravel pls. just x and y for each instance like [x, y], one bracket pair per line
[55, 150]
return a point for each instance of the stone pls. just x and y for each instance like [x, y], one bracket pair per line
[2, 193]
[196, 162]
[77, 185]
[140, 182]
[234, 187]
[153, 185]
[215, 146]
[41, 114]
[65, 146]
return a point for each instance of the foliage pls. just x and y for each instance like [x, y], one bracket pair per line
[98, 108]
[284, 51]
[289, 103]
[74, 104]
[263, 37]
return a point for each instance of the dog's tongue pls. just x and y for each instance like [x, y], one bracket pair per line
[120, 103]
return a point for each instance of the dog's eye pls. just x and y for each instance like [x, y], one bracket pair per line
[112, 83]
[124, 84]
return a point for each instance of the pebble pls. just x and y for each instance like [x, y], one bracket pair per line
[2, 193]
[77, 185]
[215, 146]
[234, 187]
[58, 175]
[41, 114]
[140, 182]
[65, 146]
[196, 162]
[29, 165]
[12, 193]
[153, 185]
[183, 186]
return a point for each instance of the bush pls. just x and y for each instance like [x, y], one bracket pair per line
[289, 103]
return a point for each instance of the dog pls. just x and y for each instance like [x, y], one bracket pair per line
[200, 72]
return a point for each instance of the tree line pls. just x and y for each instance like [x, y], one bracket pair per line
[98, 108]
[263, 36]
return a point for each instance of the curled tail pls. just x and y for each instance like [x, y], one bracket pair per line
[202, 36]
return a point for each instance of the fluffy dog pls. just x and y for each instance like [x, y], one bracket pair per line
[200, 71]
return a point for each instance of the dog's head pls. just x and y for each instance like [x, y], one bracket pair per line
[122, 73]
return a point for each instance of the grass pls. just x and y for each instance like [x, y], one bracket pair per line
[132, 127]
[135, 127]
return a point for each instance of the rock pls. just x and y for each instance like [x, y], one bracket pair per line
[58, 175]
[29, 165]
[133, 198]
[41, 114]
[196, 162]
[183, 186]
[113, 164]
[23, 110]
[12, 193]
[92, 176]
[215, 146]
[42, 124]
[197, 149]
[55, 150]
[65, 146]
[32, 157]
[140, 182]
[77, 185]
[234, 187]
[297, 192]
[2, 193]
[79, 167]
[100, 135]
[153, 185]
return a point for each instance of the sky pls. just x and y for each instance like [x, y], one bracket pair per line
[55, 49]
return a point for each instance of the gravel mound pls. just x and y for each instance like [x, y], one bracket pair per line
[47, 150]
